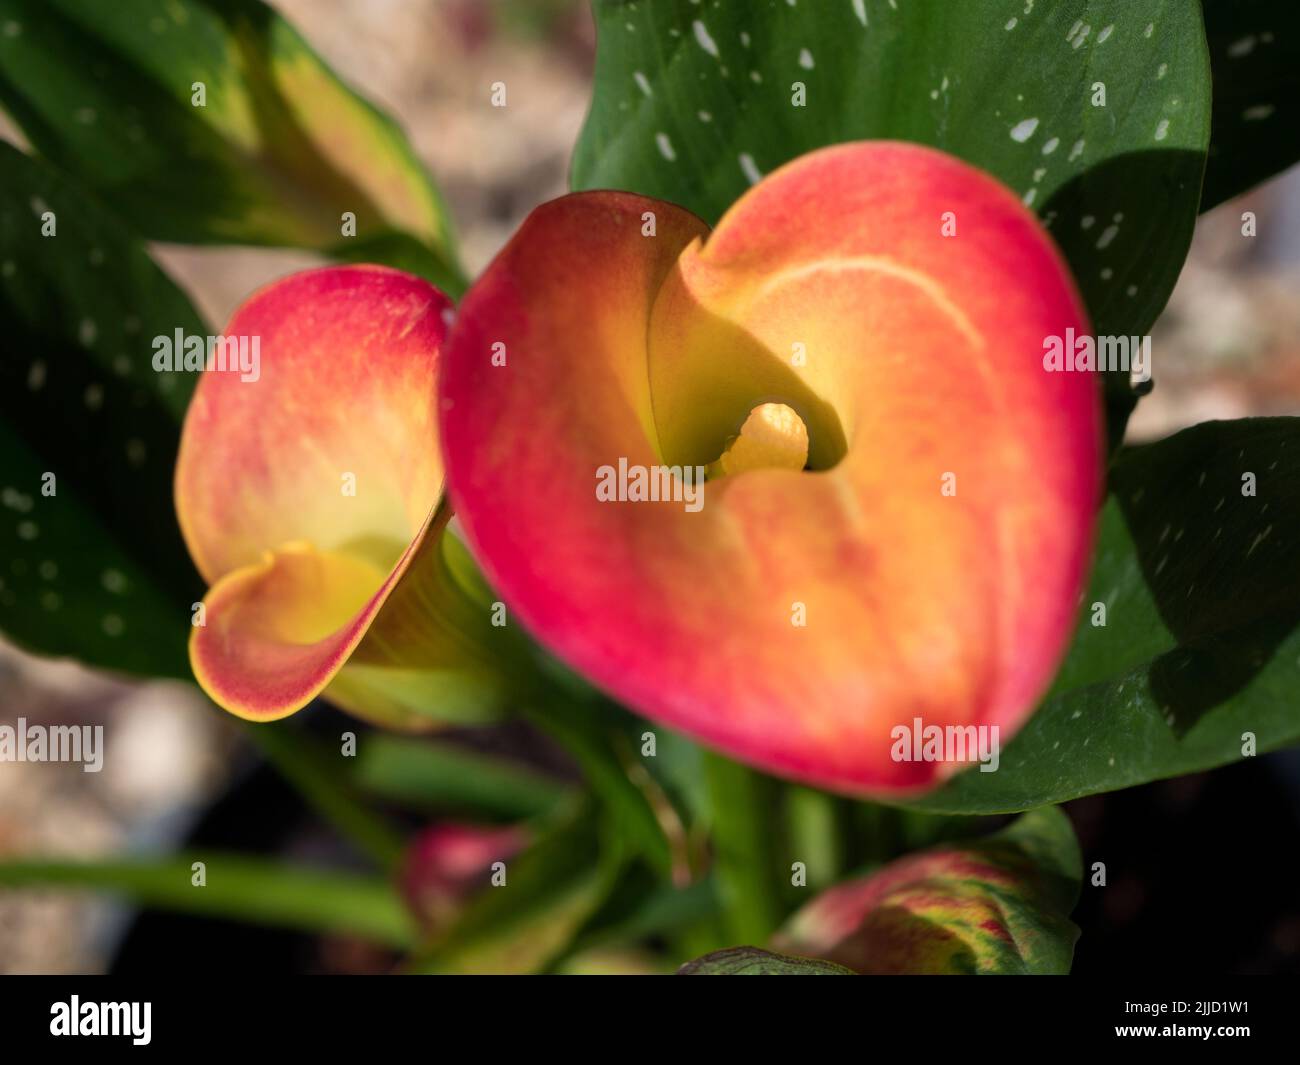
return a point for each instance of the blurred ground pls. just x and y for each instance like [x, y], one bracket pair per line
[166, 751]
[1228, 347]
[1228, 344]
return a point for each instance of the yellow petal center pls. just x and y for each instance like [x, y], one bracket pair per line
[773, 437]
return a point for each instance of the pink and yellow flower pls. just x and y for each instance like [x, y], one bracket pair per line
[898, 514]
[309, 501]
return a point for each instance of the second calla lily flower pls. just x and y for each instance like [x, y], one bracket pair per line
[898, 514]
[309, 497]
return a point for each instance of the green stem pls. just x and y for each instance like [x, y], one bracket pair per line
[815, 834]
[750, 881]
[246, 889]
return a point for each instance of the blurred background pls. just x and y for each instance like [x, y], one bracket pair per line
[1227, 347]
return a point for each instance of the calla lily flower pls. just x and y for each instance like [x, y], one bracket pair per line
[898, 498]
[308, 494]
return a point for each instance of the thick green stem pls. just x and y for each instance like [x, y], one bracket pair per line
[750, 879]
[815, 835]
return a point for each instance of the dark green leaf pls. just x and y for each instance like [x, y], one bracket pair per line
[692, 102]
[279, 149]
[96, 570]
[1200, 653]
[1255, 56]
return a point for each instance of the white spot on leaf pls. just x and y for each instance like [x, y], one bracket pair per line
[703, 39]
[1022, 131]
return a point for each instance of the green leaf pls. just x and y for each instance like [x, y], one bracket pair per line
[750, 961]
[430, 774]
[278, 150]
[236, 887]
[692, 102]
[1199, 659]
[96, 568]
[996, 906]
[1255, 56]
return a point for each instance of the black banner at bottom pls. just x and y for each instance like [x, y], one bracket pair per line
[664, 1016]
